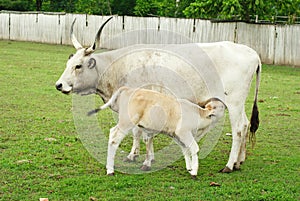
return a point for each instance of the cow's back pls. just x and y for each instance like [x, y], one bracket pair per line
[196, 71]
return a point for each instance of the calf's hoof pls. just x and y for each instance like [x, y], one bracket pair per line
[194, 177]
[111, 174]
[226, 170]
[145, 168]
[128, 160]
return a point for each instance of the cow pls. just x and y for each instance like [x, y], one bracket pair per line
[159, 113]
[194, 71]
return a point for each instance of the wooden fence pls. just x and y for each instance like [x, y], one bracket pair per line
[276, 44]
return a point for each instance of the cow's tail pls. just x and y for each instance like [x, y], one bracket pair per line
[111, 101]
[254, 121]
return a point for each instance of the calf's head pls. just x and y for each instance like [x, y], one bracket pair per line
[214, 109]
[80, 75]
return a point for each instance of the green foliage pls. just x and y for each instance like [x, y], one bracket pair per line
[96, 7]
[18, 5]
[145, 8]
[203, 9]
[62, 5]
[208, 9]
[164, 8]
[32, 167]
[242, 9]
[125, 7]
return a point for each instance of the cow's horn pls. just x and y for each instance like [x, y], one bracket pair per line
[75, 42]
[97, 38]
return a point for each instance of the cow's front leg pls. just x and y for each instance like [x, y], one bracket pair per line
[116, 135]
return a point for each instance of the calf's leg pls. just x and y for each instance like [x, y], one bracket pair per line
[190, 150]
[135, 150]
[149, 153]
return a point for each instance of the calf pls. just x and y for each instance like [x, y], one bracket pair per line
[156, 112]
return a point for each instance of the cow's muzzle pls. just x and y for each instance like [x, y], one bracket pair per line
[59, 86]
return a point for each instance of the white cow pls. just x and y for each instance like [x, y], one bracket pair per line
[178, 118]
[196, 72]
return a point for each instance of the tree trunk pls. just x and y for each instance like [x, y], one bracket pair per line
[39, 5]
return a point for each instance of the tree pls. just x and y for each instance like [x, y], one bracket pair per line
[39, 5]
[144, 8]
[241, 9]
[123, 7]
[18, 5]
[96, 7]
[166, 8]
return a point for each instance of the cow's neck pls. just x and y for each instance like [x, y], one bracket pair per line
[107, 78]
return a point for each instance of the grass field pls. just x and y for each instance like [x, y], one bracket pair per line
[42, 156]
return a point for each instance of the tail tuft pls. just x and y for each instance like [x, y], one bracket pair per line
[90, 113]
[254, 119]
[254, 123]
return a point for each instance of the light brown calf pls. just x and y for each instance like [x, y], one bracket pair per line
[158, 113]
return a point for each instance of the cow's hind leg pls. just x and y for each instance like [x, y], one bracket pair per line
[242, 153]
[239, 125]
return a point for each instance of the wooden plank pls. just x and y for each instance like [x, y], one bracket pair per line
[275, 44]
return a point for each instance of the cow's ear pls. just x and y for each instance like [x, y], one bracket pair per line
[91, 63]
[71, 55]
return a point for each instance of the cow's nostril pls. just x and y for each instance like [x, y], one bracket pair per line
[59, 86]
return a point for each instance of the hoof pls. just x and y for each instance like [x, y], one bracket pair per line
[128, 160]
[194, 177]
[236, 168]
[226, 170]
[111, 174]
[145, 168]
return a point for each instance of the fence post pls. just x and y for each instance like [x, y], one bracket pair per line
[235, 40]
[9, 21]
[275, 38]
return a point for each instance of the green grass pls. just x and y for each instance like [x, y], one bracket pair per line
[32, 110]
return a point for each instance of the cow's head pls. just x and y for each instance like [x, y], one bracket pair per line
[80, 75]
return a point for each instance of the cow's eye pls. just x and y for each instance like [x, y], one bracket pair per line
[78, 66]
